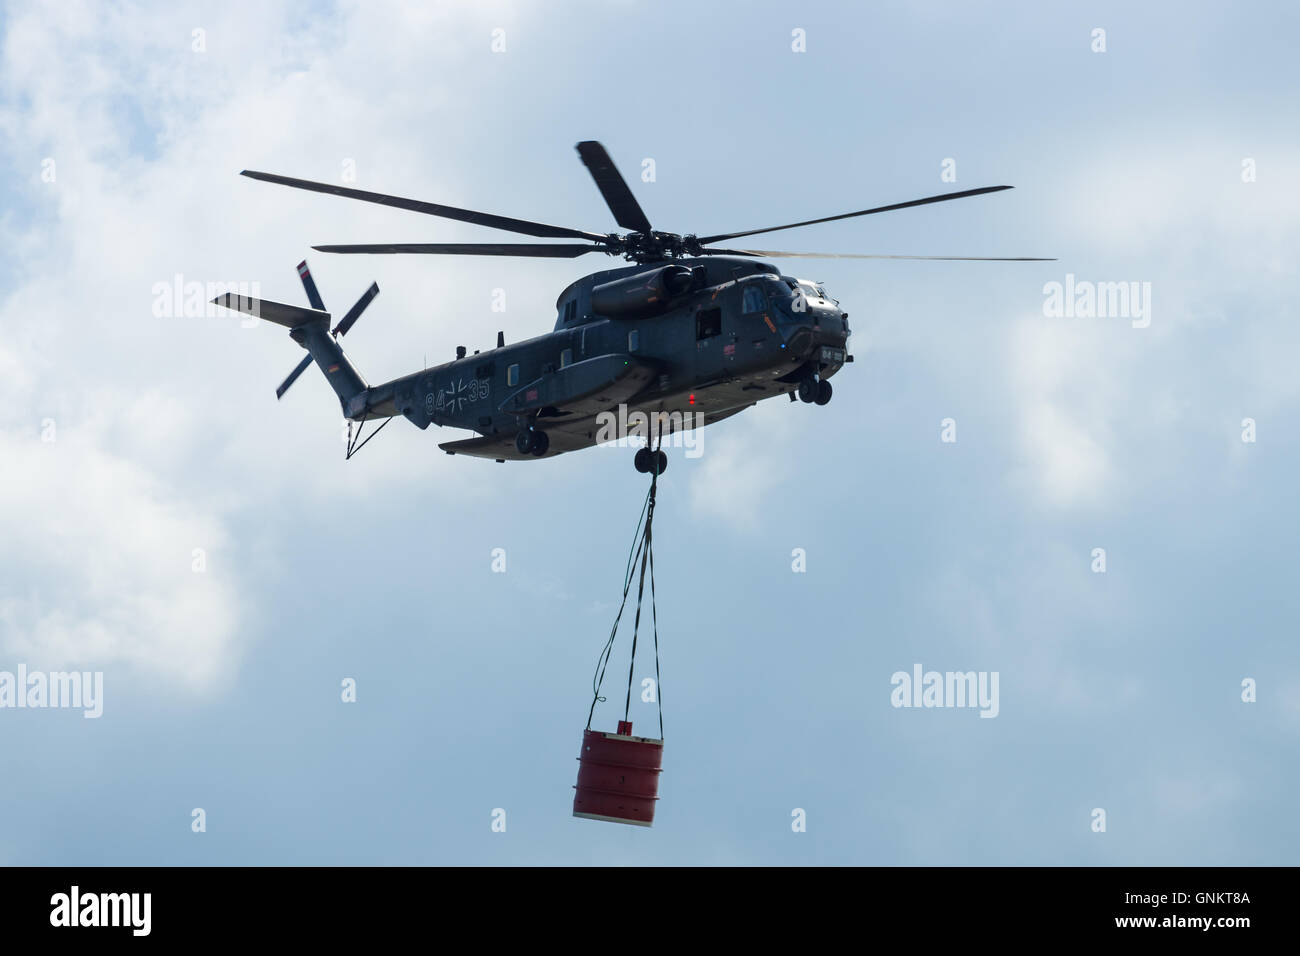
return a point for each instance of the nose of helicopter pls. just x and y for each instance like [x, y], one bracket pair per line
[824, 345]
[820, 327]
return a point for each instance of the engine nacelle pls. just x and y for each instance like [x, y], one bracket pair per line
[642, 295]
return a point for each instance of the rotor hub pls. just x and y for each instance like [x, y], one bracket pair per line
[643, 247]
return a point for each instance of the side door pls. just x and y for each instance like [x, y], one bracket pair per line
[711, 327]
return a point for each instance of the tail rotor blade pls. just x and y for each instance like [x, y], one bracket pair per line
[293, 377]
[308, 283]
[354, 313]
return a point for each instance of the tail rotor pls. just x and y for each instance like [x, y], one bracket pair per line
[340, 330]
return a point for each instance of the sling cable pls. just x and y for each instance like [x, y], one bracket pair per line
[618, 774]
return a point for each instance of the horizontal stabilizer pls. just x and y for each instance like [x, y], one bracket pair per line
[290, 316]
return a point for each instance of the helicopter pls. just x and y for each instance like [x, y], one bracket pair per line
[688, 332]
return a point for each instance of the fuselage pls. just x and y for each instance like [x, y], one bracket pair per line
[740, 332]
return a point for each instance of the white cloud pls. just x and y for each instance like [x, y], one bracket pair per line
[163, 439]
[1064, 400]
[742, 460]
[1104, 409]
[98, 564]
[1186, 196]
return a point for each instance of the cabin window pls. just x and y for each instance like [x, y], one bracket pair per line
[633, 339]
[708, 323]
[486, 370]
[754, 300]
[566, 357]
[512, 375]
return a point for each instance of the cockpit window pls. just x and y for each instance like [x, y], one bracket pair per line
[754, 300]
[811, 290]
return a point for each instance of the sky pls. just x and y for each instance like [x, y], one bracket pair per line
[167, 523]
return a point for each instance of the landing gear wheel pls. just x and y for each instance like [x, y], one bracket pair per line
[663, 462]
[532, 441]
[808, 390]
[824, 392]
[642, 460]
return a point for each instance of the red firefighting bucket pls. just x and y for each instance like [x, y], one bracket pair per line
[618, 776]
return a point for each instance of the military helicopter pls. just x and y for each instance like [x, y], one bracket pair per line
[688, 327]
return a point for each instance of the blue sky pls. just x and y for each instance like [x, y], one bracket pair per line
[1119, 691]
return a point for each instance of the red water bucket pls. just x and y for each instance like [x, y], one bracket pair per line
[618, 776]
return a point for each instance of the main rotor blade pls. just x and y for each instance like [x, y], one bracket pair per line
[522, 226]
[775, 253]
[862, 212]
[308, 283]
[627, 211]
[536, 250]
